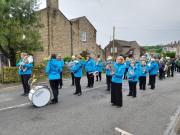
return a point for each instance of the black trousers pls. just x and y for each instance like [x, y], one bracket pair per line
[178, 69]
[25, 79]
[73, 78]
[152, 81]
[108, 79]
[132, 89]
[142, 82]
[161, 74]
[116, 94]
[54, 86]
[172, 72]
[98, 76]
[90, 78]
[61, 81]
[78, 84]
[125, 73]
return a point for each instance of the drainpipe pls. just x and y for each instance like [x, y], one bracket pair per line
[71, 39]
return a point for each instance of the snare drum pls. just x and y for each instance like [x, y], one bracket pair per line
[40, 96]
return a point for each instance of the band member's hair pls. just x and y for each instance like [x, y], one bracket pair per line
[53, 56]
[122, 58]
[79, 56]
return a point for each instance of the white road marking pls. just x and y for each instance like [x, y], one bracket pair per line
[122, 131]
[172, 125]
[14, 107]
[22, 105]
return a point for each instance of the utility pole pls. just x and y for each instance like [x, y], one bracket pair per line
[113, 42]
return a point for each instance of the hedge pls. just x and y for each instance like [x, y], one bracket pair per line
[10, 74]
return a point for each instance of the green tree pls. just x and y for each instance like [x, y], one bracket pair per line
[19, 28]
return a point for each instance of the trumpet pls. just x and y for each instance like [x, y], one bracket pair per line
[26, 60]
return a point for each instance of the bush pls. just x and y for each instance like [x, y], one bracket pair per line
[67, 59]
[170, 54]
[10, 75]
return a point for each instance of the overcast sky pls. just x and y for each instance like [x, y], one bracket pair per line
[149, 22]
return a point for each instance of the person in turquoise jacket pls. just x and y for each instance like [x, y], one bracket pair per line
[153, 69]
[90, 69]
[53, 70]
[25, 71]
[133, 76]
[61, 61]
[127, 63]
[77, 70]
[142, 75]
[98, 68]
[108, 67]
[116, 85]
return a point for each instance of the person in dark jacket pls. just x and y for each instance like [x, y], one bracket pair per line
[53, 69]
[161, 69]
[116, 86]
[172, 67]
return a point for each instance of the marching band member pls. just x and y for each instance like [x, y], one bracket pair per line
[53, 69]
[99, 68]
[77, 71]
[116, 86]
[61, 61]
[71, 64]
[153, 71]
[25, 71]
[127, 63]
[108, 72]
[133, 75]
[142, 76]
[161, 69]
[90, 68]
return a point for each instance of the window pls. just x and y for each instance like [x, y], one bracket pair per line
[115, 50]
[83, 36]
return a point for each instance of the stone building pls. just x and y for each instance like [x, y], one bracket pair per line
[60, 35]
[123, 48]
[100, 51]
[173, 47]
[83, 35]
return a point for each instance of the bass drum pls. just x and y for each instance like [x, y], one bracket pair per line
[40, 96]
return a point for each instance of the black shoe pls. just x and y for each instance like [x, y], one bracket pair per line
[54, 101]
[91, 87]
[87, 86]
[118, 106]
[75, 93]
[129, 95]
[112, 104]
[107, 89]
[26, 94]
[22, 94]
[79, 94]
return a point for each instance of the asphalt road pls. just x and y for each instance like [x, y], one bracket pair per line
[91, 114]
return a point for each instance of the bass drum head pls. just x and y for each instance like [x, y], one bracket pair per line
[41, 97]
